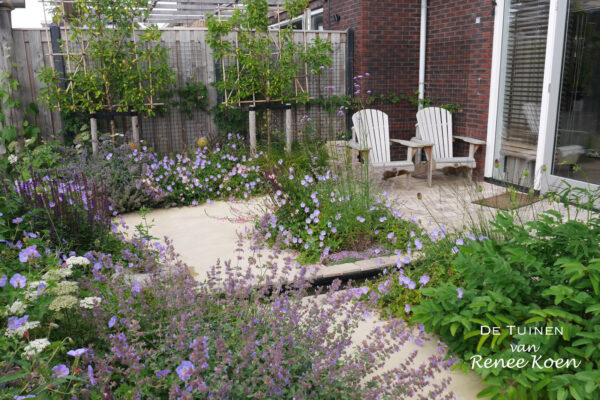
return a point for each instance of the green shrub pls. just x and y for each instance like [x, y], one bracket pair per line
[433, 267]
[545, 273]
[319, 212]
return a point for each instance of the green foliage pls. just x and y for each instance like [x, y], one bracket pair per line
[73, 125]
[258, 70]
[427, 102]
[545, 273]
[436, 263]
[15, 138]
[143, 228]
[229, 119]
[192, 96]
[123, 72]
[332, 104]
[43, 157]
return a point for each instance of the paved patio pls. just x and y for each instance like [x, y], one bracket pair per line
[449, 201]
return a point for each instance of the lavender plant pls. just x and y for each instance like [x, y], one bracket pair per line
[247, 332]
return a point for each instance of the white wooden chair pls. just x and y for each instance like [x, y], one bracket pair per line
[371, 137]
[435, 125]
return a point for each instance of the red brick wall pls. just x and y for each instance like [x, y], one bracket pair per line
[387, 47]
[458, 63]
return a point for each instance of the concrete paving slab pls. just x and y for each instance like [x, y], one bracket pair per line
[204, 234]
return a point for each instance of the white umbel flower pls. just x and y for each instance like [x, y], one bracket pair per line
[62, 302]
[90, 302]
[64, 288]
[20, 331]
[77, 261]
[12, 159]
[17, 308]
[35, 347]
[57, 274]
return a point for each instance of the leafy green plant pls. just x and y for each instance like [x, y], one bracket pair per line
[264, 65]
[143, 228]
[13, 138]
[73, 124]
[126, 64]
[192, 96]
[263, 73]
[427, 102]
[229, 119]
[542, 274]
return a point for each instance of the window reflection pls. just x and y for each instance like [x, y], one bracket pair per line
[577, 147]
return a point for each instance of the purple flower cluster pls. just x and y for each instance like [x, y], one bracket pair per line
[223, 172]
[76, 210]
[136, 176]
[305, 214]
[241, 333]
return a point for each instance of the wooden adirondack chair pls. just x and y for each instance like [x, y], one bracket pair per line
[371, 136]
[435, 125]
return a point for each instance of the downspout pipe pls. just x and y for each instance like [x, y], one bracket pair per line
[422, 52]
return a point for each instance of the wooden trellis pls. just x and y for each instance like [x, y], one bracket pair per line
[75, 54]
[75, 59]
[301, 83]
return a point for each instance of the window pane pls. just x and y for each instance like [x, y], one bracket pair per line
[577, 147]
[316, 23]
[522, 75]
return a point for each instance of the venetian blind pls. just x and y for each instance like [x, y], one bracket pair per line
[526, 52]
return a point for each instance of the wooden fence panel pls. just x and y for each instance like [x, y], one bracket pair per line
[191, 59]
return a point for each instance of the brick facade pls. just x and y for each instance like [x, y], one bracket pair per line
[458, 63]
[387, 47]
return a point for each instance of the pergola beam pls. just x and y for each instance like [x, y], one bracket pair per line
[11, 4]
[179, 11]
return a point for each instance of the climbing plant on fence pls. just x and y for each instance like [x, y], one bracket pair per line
[112, 62]
[262, 64]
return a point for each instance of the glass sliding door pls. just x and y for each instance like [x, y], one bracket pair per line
[576, 153]
[524, 38]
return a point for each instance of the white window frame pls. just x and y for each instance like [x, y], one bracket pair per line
[490, 148]
[286, 22]
[557, 24]
[554, 66]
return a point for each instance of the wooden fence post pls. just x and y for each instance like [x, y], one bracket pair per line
[288, 128]
[252, 130]
[14, 117]
[94, 134]
[135, 128]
